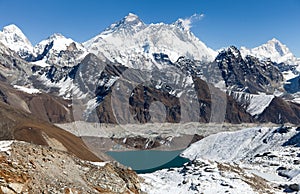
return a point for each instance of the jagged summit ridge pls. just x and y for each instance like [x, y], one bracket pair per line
[247, 74]
[56, 36]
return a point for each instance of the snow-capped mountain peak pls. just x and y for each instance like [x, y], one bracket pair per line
[130, 40]
[131, 17]
[277, 46]
[132, 20]
[12, 37]
[60, 42]
[274, 40]
[234, 51]
[129, 24]
[274, 50]
[12, 28]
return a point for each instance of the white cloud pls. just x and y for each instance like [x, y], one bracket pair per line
[187, 22]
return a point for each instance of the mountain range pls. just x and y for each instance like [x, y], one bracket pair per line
[147, 86]
[157, 55]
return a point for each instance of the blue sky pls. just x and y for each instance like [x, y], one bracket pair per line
[226, 22]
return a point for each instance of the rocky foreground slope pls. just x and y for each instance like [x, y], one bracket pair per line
[29, 168]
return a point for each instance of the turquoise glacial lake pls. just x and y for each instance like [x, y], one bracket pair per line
[147, 161]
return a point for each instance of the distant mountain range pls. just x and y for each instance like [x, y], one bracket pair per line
[131, 36]
[166, 61]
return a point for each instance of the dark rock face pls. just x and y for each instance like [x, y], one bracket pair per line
[3, 97]
[47, 48]
[285, 67]
[162, 58]
[49, 108]
[233, 113]
[148, 93]
[143, 96]
[249, 74]
[54, 73]
[294, 187]
[281, 111]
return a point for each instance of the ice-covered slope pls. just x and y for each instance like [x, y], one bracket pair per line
[234, 162]
[271, 153]
[58, 50]
[255, 104]
[55, 50]
[12, 37]
[129, 39]
[235, 146]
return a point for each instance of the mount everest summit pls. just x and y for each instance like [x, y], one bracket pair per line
[130, 37]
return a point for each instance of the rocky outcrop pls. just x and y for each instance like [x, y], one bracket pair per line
[29, 168]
